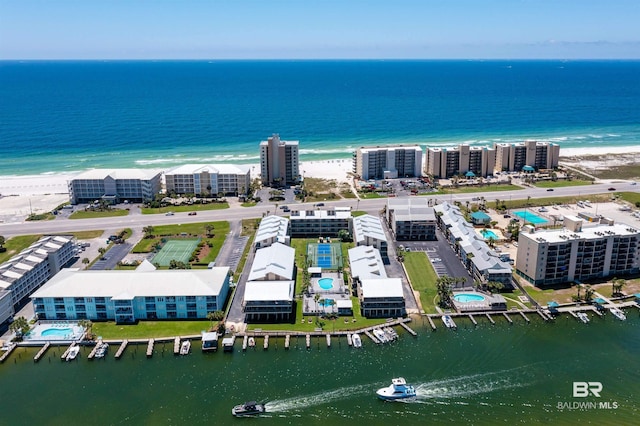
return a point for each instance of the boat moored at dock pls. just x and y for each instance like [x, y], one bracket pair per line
[618, 314]
[185, 347]
[357, 341]
[72, 353]
[582, 317]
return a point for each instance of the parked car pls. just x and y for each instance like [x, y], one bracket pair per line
[193, 213]
[168, 214]
[550, 189]
[612, 189]
[320, 205]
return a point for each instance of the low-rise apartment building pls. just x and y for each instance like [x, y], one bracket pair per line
[382, 298]
[387, 162]
[368, 231]
[115, 185]
[320, 223]
[411, 219]
[208, 179]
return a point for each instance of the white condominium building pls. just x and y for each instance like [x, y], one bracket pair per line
[279, 162]
[208, 179]
[513, 157]
[388, 162]
[115, 185]
[577, 252]
[461, 160]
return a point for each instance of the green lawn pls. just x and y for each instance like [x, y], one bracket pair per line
[248, 204]
[357, 213]
[148, 329]
[145, 245]
[549, 201]
[16, 244]
[41, 216]
[372, 195]
[562, 183]
[187, 208]
[85, 235]
[191, 228]
[422, 278]
[632, 197]
[81, 214]
[483, 188]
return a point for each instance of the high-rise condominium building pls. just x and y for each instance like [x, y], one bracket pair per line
[279, 162]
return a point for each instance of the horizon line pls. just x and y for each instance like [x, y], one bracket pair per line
[316, 59]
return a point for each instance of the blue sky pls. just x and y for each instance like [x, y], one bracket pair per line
[265, 29]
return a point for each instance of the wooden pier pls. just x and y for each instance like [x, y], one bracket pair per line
[507, 317]
[473, 320]
[287, 341]
[433, 325]
[7, 352]
[121, 349]
[92, 354]
[308, 341]
[349, 341]
[150, 348]
[41, 352]
[524, 316]
[245, 341]
[63, 357]
[409, 330]
[371, 336]
[266, 342]
[542, 315]
[490, 319]
[176, 346]
[328, 340]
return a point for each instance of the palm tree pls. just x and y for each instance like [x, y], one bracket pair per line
[87, 325]
[148, 231]
[208, 228]
[20, 326]
[588, 294]
[102, 251]
[2, 242]
[211, 316]
[85, 261]
[316, 298]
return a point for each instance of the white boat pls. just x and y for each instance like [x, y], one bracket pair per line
[73, 353]
[380, 335]
[582, 317]
[101, 349]
[250, 408]
[399, 389]
[357, 342]
[185, 347]
[251, 342]
[391, 333]
[448, 321]
[618, 314]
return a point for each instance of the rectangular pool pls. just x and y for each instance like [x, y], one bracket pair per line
[527, 216]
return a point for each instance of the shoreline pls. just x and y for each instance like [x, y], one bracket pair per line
[50, 183]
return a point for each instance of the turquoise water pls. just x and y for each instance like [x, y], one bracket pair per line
[530, 217]
[56, 332]
[468, 297]
[62, 116]
[487, 233]
[484, 375]
[325, 283]
[327, 303]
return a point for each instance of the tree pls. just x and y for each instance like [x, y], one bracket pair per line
[588, 294]
[495, 286]
[344, 235]
[316, 298]
[87, 325]
[443, 286]
[148, 231]
[208, 229]
[616, 286]
[20, 326]
[86, 261]
[2, 243]
[102, 251]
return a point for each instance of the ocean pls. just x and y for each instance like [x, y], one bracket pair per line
[485, 375]
[67, 116]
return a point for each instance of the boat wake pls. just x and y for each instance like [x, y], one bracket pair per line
[317, 398]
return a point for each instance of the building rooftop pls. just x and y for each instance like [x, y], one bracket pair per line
[265, 291]
[277, 259]
[272, 227]
[125, 285]
[382, 288]
[593, 232]
[336, 213]
[223, 169]
[367, 226]
[140, 174]
[366, 263]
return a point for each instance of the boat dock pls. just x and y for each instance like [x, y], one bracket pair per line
[349, 341]
[409, 330]
[92, 354]
[473, 320]
[507, 317]
[121, 349]
[308, 341]
[150, 348]
[371, 336]
[524, 316]
[176, 346]
[490, 319]
[7, 352]
[66, 352]
[328, 340]
[41, 352]
[245, 341]
[287, 340]
[266, 342]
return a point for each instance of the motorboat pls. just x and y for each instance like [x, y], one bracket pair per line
[73, 353]
[252, 342]
[448, 321]
[582, 317]
[382, 338]
[250, 408]
[399, 389]
[391, 333]
[185, 347]
[357, 342]
[101, 349]
[618, 314]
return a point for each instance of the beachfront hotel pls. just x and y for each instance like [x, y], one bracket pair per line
[32, 267]
[474, 161]
[127, 296]
[388, 162]
[208, 179]
[481, 261]
[411, 219]
[279, 162]
[577, 252]
[320, 223]
[513, 157]
[115, 186]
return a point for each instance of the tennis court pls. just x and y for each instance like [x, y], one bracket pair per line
[325, 255]
[178, 250]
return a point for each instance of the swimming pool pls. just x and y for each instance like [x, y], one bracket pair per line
[468, 297]
[56, 332]
[327, 303]
[487, 233]
[530, 217]
[325, 283]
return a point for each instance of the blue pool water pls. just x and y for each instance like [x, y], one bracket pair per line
[56, 332]
[468, 297]
[326, 303]
[487, 233]
[325, 283]
[530, 217]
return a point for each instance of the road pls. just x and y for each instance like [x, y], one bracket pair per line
[9, 230]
